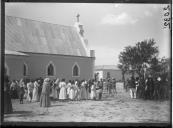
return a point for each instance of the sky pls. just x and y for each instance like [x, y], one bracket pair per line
[109, 27]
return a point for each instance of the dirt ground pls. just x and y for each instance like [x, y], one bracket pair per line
[117, 108]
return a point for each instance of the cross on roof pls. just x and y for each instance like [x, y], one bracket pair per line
[78, 17]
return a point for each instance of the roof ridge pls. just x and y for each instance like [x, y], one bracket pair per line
[40, 21]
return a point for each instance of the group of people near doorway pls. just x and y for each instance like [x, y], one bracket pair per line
[150, 88]
[43, 90]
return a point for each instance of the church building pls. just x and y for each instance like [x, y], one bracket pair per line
[36, 49]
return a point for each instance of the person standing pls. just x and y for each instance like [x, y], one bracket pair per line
[30, 91]
[35, 92]
[93, 91]
[156, 88]
[149, 88]
[77, 90]
[109, 86]
[17, 89]
[54, 91]
[68, 88]
[137, 87]
[57, 89]
[45, 99]
[7, 98]
[13, 89]
[89, 88]
[39, 89]
[63, 92]
[114, 85]
[72, 91]
[21, 90]
[132, 88]
[83, 91]
[100, 90]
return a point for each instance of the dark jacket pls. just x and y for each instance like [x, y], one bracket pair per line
[132, 83]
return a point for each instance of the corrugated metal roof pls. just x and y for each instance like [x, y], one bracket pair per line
[40, 37]
[110, 67]
[8, 52]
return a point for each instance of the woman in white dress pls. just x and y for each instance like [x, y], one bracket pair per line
[72, 91]
[30, 91]
[63, 92]
[35, 97]
[77, 91]
[93, 91]
[68, 88]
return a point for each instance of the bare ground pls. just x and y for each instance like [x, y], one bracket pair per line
[117, 108]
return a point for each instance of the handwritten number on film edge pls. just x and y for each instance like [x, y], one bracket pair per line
[167, 18]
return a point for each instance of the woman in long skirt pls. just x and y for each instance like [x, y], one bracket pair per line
[7, 98]
[45, 99]
[93, 91]
[77, 91]
[21, 91]
[30, 91]
[35, 92]
[13, 89]
[89, 88]
[39, 89]
[83, 92]
[72, 91]
[68, 88]
[57, 89]
[53, 91]
[99, 90]
[63, 92]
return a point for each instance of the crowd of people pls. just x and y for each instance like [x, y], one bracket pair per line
[150, 88]
[43, 91]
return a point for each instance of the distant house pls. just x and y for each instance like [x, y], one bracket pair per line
[112, 70]
[104, 70]
[38, 49]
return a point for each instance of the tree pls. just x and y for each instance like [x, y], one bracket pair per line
[137, 58]
[124, 70]
[160, 67]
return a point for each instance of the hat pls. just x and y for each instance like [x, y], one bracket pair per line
[46, 80]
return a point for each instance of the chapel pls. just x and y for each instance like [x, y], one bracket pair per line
[36, 49]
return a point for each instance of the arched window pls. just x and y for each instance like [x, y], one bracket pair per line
[76, 70]
[50, 70]
[24, 69]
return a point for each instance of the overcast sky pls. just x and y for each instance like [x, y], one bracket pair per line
[108, 27]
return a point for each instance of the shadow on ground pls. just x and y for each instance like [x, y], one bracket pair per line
[20, 114]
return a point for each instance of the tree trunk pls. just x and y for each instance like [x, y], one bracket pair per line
[123, 78]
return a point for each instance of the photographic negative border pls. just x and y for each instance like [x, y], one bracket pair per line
[76, 123]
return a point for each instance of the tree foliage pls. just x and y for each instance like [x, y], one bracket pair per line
[135, 58]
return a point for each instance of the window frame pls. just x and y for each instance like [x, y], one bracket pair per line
[26, 74]
[54, 69]
[76, 64]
